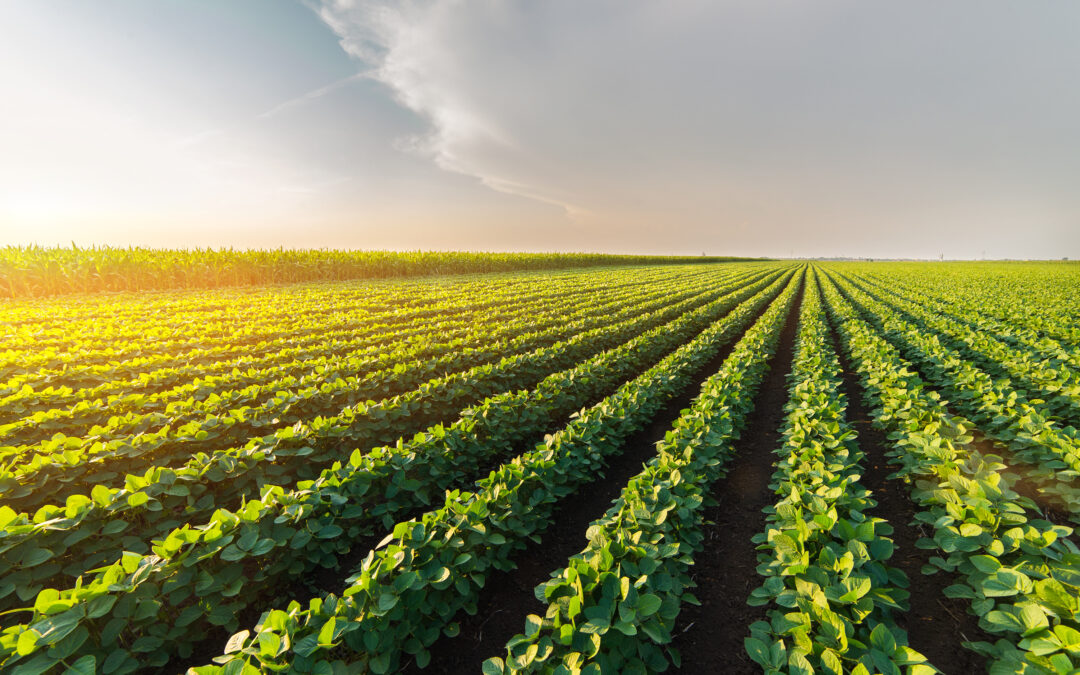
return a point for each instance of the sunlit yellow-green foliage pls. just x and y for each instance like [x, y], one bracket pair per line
[39, 271]
[175, 463]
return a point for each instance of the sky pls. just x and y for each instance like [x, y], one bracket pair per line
[780, 128]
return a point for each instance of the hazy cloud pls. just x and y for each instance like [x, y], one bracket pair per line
[836, 127]
[825, 123]
[310, 96]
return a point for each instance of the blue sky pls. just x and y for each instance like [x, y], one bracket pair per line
[782, 128]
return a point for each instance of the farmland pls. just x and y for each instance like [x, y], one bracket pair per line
[699, 466]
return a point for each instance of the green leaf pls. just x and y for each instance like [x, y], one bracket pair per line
[114, 660]
[232, 553]
[269, 643]
[326, 633]
[308, 645]
[854, 587]
[1000, 620]
[41, 663]
[831, 663]
[130, 562]
[798, 665]
[1033, 618]
[648, 604]
[380, 664]
[263, 546]
[330, 531]
[758, 651]
[493, 666]
[423, 658]
[1006, 582]
[7, 514]
[533, 623]
[115, 527]
[1070, 637]
[27, 642]
[36, 556]
[84, 666]
[101, 495]
[882, 638]
[236, 642]
[985, 563]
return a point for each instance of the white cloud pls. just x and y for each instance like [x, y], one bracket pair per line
[308, 97]
[743, 127]
[842, 115]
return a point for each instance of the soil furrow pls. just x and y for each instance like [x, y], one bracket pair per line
[509, 597]
[1022, 482]
[710, 637]
[328, 580]
[933, 620]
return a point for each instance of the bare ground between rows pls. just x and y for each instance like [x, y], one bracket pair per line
[508, 597]
[1027, 388]
[120, 465]
[326, 580]
[331, 580]
[1023, 483]
[933, 621]
[710, 636]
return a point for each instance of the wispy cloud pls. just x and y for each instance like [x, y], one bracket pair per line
[314, 94]
[410, 47]
[866, 118]
[292, 103]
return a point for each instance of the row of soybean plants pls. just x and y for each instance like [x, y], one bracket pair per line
[382, 415]
[39, 477]
[1049, 305]
[243, 557]
[613, 608]
[118, 416]
[830, 592]
[1022, 399]
[1022, 425]
[409, 590]
[1041, 366]
[162, 379]
[117, 419]
[90, 529]
[1017, 335]
[1020, 572]
[149, 370]
[162, 323]
[131, 348]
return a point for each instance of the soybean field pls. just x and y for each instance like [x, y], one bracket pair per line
[699, 467]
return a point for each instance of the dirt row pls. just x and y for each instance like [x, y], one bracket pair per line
[332, 580]
[710, 637]
[508, 596]
[935, 624]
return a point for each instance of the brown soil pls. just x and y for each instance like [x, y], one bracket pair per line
[327, 580]
[933, 622]
[710, 637]
[508, 597]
